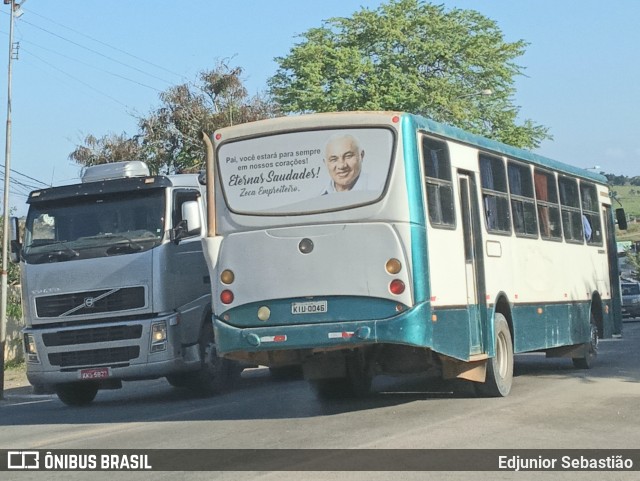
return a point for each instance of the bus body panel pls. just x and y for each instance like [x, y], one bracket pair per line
[350, 258]
[454, 301]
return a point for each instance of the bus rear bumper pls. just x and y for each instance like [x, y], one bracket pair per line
[410, 328]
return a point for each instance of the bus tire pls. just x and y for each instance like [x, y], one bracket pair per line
[590, 348]
[500, 367]
[76, 393]
[216, 374]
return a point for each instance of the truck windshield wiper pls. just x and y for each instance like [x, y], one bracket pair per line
[130, 246]
[65, 253]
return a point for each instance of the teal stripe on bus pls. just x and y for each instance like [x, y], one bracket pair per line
[417, 216]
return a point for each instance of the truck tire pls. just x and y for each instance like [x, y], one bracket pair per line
[76, 393]
[216, 374]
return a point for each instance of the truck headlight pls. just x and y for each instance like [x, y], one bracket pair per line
[158, 336]
[30, 348]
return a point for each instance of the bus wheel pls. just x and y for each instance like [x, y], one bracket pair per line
[590, 348]
[356, 384]
[216, 374]
[500, 367]
[76, 393]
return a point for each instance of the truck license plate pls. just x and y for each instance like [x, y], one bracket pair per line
[315, 307]
[93, 374]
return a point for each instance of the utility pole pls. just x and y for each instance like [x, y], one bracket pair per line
[6, 211]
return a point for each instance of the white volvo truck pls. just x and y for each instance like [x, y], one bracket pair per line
[115, 286]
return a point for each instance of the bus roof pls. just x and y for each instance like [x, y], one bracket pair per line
[500, 148]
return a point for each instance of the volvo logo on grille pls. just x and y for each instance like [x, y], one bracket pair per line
[89, 302]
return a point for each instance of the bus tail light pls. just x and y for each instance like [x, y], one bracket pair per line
[393, 266]
[226, 296]
[396, 287]
[227, 277]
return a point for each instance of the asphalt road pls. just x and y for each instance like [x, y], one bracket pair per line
[551, 406]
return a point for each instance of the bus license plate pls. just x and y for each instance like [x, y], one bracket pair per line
[93, 374]
[316, 307]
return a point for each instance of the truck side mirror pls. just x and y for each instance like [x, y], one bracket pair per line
[190, 224]
[15, 240]
[621, 218]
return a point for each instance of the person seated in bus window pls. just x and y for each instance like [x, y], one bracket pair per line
[343, 159]
[587, 228]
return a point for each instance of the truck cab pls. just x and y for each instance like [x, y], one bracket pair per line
[114, 283]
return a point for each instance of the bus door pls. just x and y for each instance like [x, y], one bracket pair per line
[614, 275]
[476, 297]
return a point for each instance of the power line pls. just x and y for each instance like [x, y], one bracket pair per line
[30, 178]
[106, 44]
[89, 65]
[95, 52]
[89, 86]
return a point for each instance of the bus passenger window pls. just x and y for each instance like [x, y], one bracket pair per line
[494, 194]
[547, 204]
[525, 222]
[437, 168]
[572, 223]
[590, 213]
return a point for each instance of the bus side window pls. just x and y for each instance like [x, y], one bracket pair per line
[590, 213]
[525, 222]
[572, 221]
[547, 203]
[494, 194]
[437, 168]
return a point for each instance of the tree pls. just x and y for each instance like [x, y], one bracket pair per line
[168, 139]
[615, 179]
[633, 257]
[109, 148]
[411, 56]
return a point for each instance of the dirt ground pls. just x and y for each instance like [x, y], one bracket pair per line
[15, 380]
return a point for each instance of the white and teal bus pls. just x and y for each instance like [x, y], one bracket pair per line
[353, 244]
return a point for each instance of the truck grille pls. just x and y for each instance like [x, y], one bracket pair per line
[91, 302]
[93, 357]
[86, 336]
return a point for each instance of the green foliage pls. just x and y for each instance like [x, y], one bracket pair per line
[109, 148]
[634, 261]
[629, 197]
[412, 56]
[168, 139]
[14, 363]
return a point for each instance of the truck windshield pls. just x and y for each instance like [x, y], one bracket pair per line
[95, 226]
[305, 172]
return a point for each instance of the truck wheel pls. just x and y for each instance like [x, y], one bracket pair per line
[499, 367]
[216, 374]
[77, 393]
[591, 348]
[178, 379]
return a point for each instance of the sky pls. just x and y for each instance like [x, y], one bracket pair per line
[90, 66]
